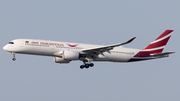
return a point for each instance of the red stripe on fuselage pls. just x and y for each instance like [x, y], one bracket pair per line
[147, 53]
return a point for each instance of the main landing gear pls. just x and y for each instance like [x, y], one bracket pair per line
[13, 56]
[86, 65]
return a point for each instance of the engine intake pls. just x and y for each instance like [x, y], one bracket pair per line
[70, 55]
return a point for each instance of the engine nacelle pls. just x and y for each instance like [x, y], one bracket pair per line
[70, 55]
[60, 60]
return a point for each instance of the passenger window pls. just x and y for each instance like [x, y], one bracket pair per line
[11, 43]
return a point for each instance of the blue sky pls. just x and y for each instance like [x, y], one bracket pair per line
[38, 78]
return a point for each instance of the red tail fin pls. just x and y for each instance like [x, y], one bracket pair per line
[158, 45]
[155, 48]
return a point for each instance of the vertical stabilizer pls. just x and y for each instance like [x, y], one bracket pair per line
[158, 45]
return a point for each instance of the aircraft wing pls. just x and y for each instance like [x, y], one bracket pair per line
[101, 49]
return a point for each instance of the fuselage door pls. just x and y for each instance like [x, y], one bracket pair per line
[52, 47]
[22, 43]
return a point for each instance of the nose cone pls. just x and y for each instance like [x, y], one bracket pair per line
[5, 48]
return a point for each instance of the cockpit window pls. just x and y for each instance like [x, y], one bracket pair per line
[11, 43]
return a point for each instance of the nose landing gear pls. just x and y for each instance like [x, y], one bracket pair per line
[14, 58]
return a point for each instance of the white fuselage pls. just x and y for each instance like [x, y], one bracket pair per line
[65, 52]
[52, 48]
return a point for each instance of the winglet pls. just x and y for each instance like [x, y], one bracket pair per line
[131, 40]
[127, 41]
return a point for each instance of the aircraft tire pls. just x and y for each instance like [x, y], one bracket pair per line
[82, 66]
[91, 65]
[87, 65]
[13, 59]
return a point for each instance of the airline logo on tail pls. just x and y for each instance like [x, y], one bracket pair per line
[155, 48]
[158, 45]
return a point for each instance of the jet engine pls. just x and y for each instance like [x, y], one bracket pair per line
[66, 56]
[70, 55]
[60, 60]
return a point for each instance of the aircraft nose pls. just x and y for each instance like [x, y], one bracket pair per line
[5, 48]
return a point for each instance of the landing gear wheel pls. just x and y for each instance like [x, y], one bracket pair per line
[91, 64]
[87, 65]
[82, 66]
[13, 59]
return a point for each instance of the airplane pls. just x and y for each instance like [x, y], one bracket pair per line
[65, 52]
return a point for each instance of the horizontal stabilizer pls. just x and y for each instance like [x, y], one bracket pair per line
[162, 54]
